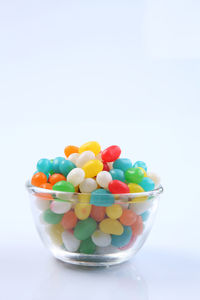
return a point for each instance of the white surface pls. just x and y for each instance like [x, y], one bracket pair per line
[122, 73]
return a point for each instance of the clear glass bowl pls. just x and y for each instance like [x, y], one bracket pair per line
[112, 248]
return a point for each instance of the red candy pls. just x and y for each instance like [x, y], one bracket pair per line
[105, 167]
[118, 187]
[128, 218]
[111, 153]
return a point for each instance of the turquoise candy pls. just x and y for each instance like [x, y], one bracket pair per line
[145, 215]
[87, 246]
[147, 184]
[56, 164]
[44, 165]
[122, 164]
[117, 174]
[63, 186]
[102, 197]
[85, 228]
[52, 218]
[66, 166]
[123, 239]
[134, 175]
[140, 164]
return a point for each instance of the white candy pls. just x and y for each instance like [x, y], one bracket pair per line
[60, 207]
[154, 177]
[42, 204]
[84, 158]
[70, 242]
[101, 239]
[73, 157]
[103, 179]
[76, 176]
[88, 185]
[140, 207]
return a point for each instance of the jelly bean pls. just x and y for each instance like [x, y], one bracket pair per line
[63, 186]
[66, 166]
[145, 173]
[91, 146]
[51, 218]
[111, 226]
[55, 232]
[122, 164]
[53, 179]
[114, 211]
[76, 176]
[123, 239]
[147, 184]
[110, 164]
[98, 156]
[137, 227]
[60, 207]
[69, 220]
[145, 216]
[73, 157]
[154, 177]
[102, 197]
[117, 174]
[56, 164]
[70, 150]
[88, 185]
[84, 158]
[118, 187]
[136, 188]
[101, 239]
[44, 165]
[128, 217]
[92, 168]
[134, 175]
[82, 210]
[42, 204]
[103, 179]
[140, 164]
[70, 241]
[47, 186]
[38, 179]
[84, 198]
[140, 207]
[111, 153]
[98, 213]
[85, 228]
[87, 246]
[106, 167]
[131, 242]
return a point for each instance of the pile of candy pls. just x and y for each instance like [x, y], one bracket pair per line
[97, 220]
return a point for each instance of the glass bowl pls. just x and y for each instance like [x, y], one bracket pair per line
[109, 231]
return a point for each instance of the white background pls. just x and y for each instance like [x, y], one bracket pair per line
[119, 72]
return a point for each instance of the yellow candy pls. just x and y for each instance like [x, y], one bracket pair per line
[55, 233]
[92, 168]
[91, 146]
[145, 173]
[84, 198]
[136, 188]
[114, 211]
[82, 210]
[111, 226]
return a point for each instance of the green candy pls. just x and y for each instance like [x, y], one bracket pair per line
[63, 186]
[134, 175]
[85, 228]
[87, 246]
[52, 218]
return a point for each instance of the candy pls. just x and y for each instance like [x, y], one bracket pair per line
[51, 218]
[38, 179]
[122, 164]
[85, 228]
[76, 176]
[63, 186]
[154, 177]
[134, 175]
[111, 226]
[136, 188]
[56, 164]
[140, 164]
[69, 220]
[143, 170]
[130, 243]
[47, 186]
[73, 157]
[140, 207]
[102, 197]
[70, 150]
[105, 167]
[103, 179]
[91, 146]
[98, 213]
[117, 174]
[42, 204]
[84, 158]
[84, 198]
[114, 211]
[70, 241]
[87, 246]
[123, 239]
[92, 168]
[82, 210]
[137, 226]
[88, 185]
[147, 184]
[44, 165]
[66, 166]
[60, 207]
[145, 216]
[111, 153]
[54, 178]
[118, 187]
[55, 232]
[128, 217]
[101, 239]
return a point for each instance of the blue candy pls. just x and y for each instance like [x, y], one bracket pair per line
[102, 197]
[123, 239]
[147, 184]
[145, 215]
[66, 166]
[44, 165]
[140, 164]
[117, 174]
[56, 163]
[122, 164]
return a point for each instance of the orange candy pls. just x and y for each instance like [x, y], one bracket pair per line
[47, 186]
[54, 178]
[128, 217]
[69, 220]
[38, 179]
[70, 149]
[137, 226]
[98, 213]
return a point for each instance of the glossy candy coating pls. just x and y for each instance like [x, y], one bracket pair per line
[73, 157]
[111, 153]
[110, 226]
[60, 207]
[85, 228]
[136, 188]
[153, 176]
[44, 165]
[117, 174]
[140, 164]
[87, 246]
[66, 166]
[114, 211]
[122, 164]
[64, 186]
[69, 220]
[134, 175]
[140, 207]
[102, 197]
[82, 210]
[91, 146]
[103, 179]
[145, 216]
[106, 167]
[70, 242]
[137, 226]
[147, 184]
[51, 218]
[56, 164]
[84, 157]
[47, 186]
[54, 178]
[88, 185]
[123, 239]
[98, 213]
[38, 179]
[76, 176]
[118, 187]
[101, 239]
[92, 168]
[55, 232]
[70, 150]
[128, 217]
